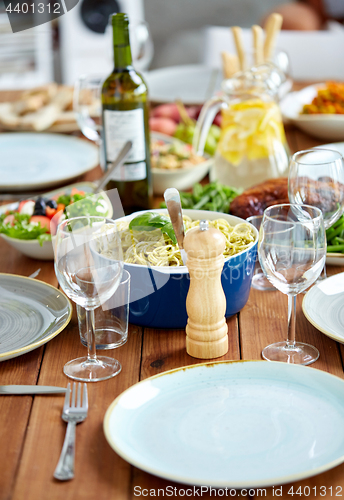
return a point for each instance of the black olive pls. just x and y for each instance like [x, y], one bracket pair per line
[51, 204]
[39, 207]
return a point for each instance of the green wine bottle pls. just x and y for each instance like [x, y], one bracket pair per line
[125, 117]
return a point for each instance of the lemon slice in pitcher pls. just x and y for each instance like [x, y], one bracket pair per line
[249, 129]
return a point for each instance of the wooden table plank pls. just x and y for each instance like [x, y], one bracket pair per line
[99, 471]
[263, 321]
[15, 413]
[165, 349]
[32, 430]
[21, 370]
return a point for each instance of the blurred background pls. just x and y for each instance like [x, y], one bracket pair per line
[164, 33]
[79, 41]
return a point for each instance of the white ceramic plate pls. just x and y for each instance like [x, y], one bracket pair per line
[330, 127]
[32, 248]
[192, 84]
[38, 161]
[231, 424]
[323, 306]
[31, 314]
[180, 178]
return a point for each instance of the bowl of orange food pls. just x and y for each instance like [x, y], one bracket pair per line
[317, 110]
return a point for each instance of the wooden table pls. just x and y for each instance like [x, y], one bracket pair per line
[31, 428]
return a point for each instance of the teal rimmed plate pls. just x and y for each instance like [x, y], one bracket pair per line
[31, 160]
[31, 314]
[231, 424]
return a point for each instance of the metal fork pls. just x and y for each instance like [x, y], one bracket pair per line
[73, 413]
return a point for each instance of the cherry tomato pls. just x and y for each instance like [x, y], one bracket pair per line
[76, 191]
[45, 221]
[50, 212]
[9, 219]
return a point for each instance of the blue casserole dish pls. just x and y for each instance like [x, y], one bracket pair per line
[158, 294]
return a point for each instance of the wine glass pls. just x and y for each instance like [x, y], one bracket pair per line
[141, 42]
[88, 266]
[88, 107]
[292, 252]
[316, 177]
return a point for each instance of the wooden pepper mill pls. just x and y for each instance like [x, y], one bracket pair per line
[206, 329]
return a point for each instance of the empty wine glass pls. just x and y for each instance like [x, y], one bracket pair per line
[88, 266]
[88, 107]
[316, 177]
[292, 252]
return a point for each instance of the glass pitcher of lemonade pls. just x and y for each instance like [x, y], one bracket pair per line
[252, 145]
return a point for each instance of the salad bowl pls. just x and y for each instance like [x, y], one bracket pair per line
[164, 147]
[158, 294]
[42, 247]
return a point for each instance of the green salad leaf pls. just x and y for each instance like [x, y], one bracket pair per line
[149, 221]
[22, 228]
[88, 204]
[213, 196]
[76, 205]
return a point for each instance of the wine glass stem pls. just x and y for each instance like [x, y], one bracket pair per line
[323, 274]
[91, 339]
[291, 320]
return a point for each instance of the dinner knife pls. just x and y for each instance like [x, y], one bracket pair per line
[31, 389]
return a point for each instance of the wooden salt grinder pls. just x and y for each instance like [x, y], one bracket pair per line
[206, 329]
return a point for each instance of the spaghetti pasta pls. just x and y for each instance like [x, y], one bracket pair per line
[156, 249]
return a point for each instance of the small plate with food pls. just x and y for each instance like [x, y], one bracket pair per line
[30, 225]
[317, 110]
[48, 108]
[174, 164]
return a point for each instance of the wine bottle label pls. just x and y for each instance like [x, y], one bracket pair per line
[123, 126]
[129, 172]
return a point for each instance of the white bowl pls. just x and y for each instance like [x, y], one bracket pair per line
[181, 178]
[330, 127]
[32, 248]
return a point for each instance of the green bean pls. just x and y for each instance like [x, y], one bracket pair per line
[213, 196]
[335, 248]
[335, 232]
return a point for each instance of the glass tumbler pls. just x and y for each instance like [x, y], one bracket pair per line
[259, 280]
[110, 319]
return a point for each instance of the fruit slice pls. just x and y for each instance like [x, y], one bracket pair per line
[43, 220]
[250, 129]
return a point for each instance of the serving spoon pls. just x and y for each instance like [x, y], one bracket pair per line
[174, 208]
[121, 157]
